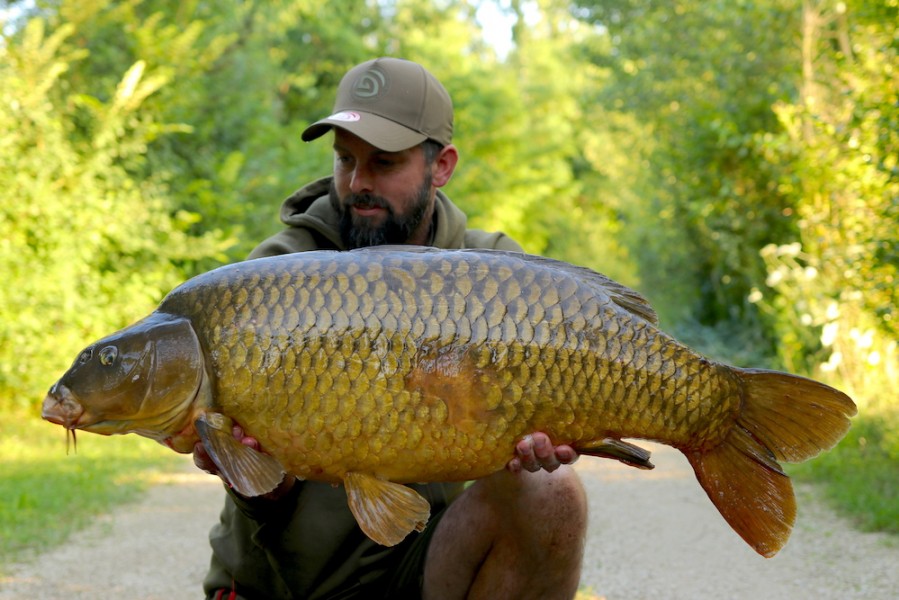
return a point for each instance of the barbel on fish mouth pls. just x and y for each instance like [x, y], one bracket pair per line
[384, 366]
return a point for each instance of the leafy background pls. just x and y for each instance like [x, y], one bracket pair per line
[734, 161]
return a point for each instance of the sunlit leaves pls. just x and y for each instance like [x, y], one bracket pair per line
[88, 241]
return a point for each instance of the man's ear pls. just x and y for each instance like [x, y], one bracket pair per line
[444, 165]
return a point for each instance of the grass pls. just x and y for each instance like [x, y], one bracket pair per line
[46, 495]
[860, 477]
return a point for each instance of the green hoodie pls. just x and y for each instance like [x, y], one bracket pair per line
[313, 225]
[307, 545]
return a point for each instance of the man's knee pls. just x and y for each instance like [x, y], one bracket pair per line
[539, 504]
[560, 490]
[497, 539]
[541, 510]
[560, 504]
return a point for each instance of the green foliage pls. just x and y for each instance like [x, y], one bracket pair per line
[825, 329]
[726, 342]
[525, 167]
[835, 293]
[243, 80]
[46, 495]
[85, 246]
[697, 80]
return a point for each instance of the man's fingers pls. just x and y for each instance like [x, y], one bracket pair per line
[536, 451]
[543, 448]
[566, 454]
[202, 459]
[251, 442]
[545, 453]
[525, 454]
[241, 436]
[528, 456]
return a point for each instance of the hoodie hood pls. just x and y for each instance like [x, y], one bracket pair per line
[310, 208]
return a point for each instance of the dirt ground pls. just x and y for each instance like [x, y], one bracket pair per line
[653, 536]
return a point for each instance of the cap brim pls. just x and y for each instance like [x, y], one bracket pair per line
[379, 132]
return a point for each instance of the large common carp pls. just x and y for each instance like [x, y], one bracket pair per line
[385, 366]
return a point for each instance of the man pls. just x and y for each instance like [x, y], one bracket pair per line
[516, 534]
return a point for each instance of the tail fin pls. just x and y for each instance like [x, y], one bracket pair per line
[784, 417]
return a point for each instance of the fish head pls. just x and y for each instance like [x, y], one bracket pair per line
[147, 379]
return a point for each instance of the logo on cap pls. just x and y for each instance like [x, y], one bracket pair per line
[370, 84]
[347, 116]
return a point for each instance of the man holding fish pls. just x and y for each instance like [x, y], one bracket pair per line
[516, 534]
[366, 367]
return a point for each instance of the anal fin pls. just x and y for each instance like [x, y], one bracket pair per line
[387, 512]
[250, 472]
[613, 448]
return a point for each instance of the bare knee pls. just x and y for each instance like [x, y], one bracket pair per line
[551, 515]
[511, 535]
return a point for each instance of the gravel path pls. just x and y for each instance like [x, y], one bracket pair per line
[653, 535]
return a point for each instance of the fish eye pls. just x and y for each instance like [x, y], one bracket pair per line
[108, 355]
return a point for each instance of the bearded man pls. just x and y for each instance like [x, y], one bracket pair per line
[516, 534]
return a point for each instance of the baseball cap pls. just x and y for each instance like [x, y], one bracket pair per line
[392, 104]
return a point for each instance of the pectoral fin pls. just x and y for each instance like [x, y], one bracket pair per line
[250, 472]
[629, 454]
[387, 512]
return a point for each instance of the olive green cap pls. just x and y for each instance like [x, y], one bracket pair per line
[392, 104]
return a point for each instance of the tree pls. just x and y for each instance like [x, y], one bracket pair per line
[244, 78]
[839, 146]
[520, 128]
[85, 246]
[689, 91]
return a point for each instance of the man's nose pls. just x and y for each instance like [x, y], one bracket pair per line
[362, 179]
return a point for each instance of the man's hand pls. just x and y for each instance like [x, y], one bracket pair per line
[205, 462]
[535, 452]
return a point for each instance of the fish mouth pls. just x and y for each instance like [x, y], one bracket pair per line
[61, 407]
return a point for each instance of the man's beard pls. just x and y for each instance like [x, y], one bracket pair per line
[395, 229]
